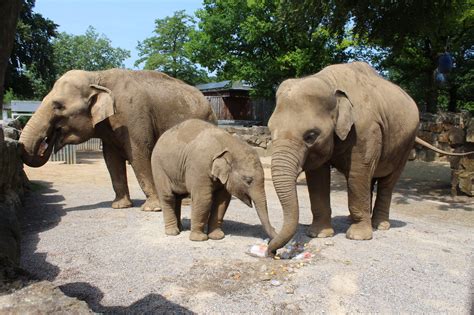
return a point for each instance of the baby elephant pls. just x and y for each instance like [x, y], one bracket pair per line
[200, 159]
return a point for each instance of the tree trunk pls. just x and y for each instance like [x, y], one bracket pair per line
[431, 93]
[9, 11]
[452, 97]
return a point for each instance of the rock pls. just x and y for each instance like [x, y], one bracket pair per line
[12, 185]
[470, 131]
[275, 283]
[41, 298]
[15, 123]
[456, 137]
[465, 181]
[11, 133]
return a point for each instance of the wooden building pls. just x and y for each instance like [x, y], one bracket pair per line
[230, 100]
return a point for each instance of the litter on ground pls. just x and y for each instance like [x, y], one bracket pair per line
[292, 250]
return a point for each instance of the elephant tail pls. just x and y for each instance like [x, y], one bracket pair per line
[431, 147]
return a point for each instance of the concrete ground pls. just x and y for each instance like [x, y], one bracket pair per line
[120, 261]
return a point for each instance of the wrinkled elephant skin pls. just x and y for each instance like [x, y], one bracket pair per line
[202, 160]
[347, 117]
[128, 110]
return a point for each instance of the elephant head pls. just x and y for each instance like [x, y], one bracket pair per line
[311, 114]
[67, 115]
[242, 174]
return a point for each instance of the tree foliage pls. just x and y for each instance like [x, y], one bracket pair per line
[166, 50]
[90, 52]
[31, 61]
[412, 36]
[266, 41]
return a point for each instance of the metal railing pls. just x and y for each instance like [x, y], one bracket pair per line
[68, 153]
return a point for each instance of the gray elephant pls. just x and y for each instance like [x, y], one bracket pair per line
[202, 160]
[348, 117]
[128, 110]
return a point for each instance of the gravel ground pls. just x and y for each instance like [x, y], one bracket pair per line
[121, 261]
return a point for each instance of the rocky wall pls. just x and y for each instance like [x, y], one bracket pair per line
[12, 187]
[447, 131]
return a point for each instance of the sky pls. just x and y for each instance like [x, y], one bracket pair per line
[124, 22]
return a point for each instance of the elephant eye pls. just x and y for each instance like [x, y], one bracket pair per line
[310, 136]
[247, 179]
[57, 105]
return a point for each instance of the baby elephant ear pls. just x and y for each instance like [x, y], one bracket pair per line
[101, 103]
[221, 166]
[345, 118]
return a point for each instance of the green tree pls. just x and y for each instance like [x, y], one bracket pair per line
[166, 50]
[31, 61]
[412, 35]
[266, 41]
[90, 52]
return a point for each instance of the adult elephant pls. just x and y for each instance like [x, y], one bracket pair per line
[348, 117]
[128, 110]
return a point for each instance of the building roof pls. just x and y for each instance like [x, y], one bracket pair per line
[224, 85]
[24, 106]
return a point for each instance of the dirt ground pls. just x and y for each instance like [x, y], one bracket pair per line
[120, 261]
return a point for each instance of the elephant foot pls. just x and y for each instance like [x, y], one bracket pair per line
[381, 224]
[217, 234]
[120, 203]
[151, 204]
[198, 236]
[172, 231]
[320, 230]
[360, 231]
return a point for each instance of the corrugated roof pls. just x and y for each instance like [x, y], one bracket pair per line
[24, 106]
[224, 85]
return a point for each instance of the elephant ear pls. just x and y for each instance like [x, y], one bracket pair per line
[101, 103]
[221, 166]
[345, 117]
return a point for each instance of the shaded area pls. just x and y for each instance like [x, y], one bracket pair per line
[151, 303]
[43, 211]
[420, 181]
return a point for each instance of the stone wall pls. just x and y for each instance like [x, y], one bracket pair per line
[257, 136]
[446, 131]
[12, 187]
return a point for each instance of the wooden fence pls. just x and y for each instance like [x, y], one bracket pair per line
[242, 108]
[68, 153]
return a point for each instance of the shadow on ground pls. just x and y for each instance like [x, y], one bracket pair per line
[420, 181]
[151, 303]
[43, 210]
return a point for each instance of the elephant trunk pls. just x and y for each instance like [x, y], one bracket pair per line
[37, 139]
[260, 200]
[286, 161]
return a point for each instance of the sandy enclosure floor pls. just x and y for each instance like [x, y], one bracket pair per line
[121, 260]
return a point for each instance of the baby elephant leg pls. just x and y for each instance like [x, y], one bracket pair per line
[201, 200]
[170, 202]
[220, 203]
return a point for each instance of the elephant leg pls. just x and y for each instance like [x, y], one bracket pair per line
[359, 184]
[219, 206]
[118, 174]
[169, 203]
[385, 186]
[319, 181]
[142, 167]
[201, 200]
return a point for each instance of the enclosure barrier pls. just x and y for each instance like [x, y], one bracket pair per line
[68, 153]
